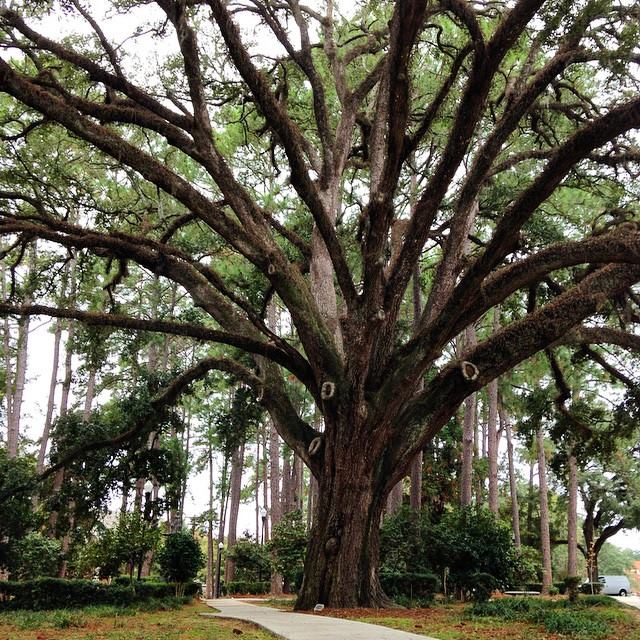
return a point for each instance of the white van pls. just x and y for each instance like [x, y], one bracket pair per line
[615, 585]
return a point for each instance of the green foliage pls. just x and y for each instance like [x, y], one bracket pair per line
[588, 619]
[243, 587]
[469, 545]
[251, 559]
[55, 593]
[419, 586]
[591, 588]
[288, 546]
[180, 557]
[17, 477]
[36, 556]
[128, 542]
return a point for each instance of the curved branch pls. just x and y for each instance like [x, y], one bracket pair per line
[298, 366]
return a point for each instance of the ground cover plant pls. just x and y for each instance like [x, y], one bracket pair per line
[111, 623]
[593, 618]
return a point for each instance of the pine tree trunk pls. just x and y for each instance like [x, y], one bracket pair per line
[209, 590]
[468, 434]
[513, 485]
[545, 539]
[13, 420]
[53, 384]
[237, 466]
[572, 517]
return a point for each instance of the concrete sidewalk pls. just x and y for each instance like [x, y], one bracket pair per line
[301, 626]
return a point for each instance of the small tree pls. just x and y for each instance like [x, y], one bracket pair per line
[251, 560]
[180, 559]
[36, 556]
[288, 547]
[134, 538]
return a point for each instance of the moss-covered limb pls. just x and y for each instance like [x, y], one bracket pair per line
[300, 369]
[602, 335]
[427, 413]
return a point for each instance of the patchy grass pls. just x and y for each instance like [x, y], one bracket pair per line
[111, 623]
[510, 618]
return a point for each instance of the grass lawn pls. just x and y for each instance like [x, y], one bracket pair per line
[594, 618]
[109, 623]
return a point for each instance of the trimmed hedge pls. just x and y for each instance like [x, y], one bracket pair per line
[241, 587]
[55, 593]
[412, 585]
[587, 588]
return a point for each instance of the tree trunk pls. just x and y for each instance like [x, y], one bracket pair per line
[237, 465]
[468, 434]
[394, 499]
[53, 384]
[341, 567]
[513, 485]
[545, 540]
[13, 420]
[209, 580]
[492, 433]
[572, 517]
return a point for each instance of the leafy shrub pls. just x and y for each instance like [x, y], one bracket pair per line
[36, 556]
[288, 547]
[409, 585]
[54, 593]
[180, 559]
[572, 587]
[251, 560]
[237, 587]
[591, 588]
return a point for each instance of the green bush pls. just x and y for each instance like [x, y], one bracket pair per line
[242, 587]
[591, 588]
[54, 593]
[251, 560]
[36, 556]
[409, 585]
[180, 558]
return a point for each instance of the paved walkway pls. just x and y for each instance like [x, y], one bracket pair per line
[302, 626]
[633, 601]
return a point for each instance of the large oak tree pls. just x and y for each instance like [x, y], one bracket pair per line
[332, 160]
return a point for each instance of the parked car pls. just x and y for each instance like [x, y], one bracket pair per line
[615, 585]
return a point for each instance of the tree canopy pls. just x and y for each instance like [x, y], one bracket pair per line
[343, 163]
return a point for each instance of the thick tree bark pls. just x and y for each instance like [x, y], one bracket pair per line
[513, 485]
[342, 558]
[545, 539]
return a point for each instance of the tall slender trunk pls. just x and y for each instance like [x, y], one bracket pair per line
[530, 498]
[513, 485]
[209, 581]
[13, 420]
[572, 516]
[6, 345]
[90, 395]
[237, 465]
[545, 539]
[265, 488]
[257, 490]
[492, 432]
[468, 434]
[53, 384]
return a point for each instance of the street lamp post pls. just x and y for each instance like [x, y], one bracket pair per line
[263, 515]
[216, 593]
